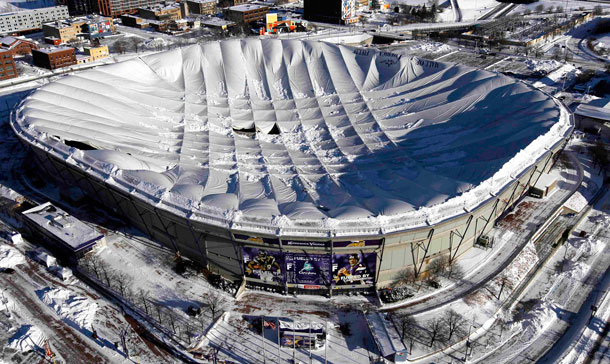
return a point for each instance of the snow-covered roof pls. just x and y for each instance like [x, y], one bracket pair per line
[385, 335]
[70, 231]
[348, 141]
[246, 7]
[596, 109]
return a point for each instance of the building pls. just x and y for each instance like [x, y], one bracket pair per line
[63, 233]
[97, 52]
[214, 22]
[53, 58]
[381, 196]
[82, 7]
[161, 12]
[64, 31]
[31, 19]
[245, 13]
[201, 7]
[7, 67]
[228, 3]
[18, 46]
[331, 11]
[116, 8]
[135, 21]
[594, 117]
[95, 27]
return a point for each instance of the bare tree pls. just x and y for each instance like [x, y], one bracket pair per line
[435, 330]
[136, 42]
[172, 317]
[123, 282]
[214, 303]
[105, 273]
[438, 265]
[159, 311]
[407, 327]
[454, 324]
[144, 296]
[92, 264]
[539, 8]
[404, 276]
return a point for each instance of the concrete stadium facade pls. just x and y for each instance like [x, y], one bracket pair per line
[222, 250]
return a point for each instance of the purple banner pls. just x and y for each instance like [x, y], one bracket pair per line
[357, 243]
[354, 269]
[308, 268]
[311, 244]
[263, 264]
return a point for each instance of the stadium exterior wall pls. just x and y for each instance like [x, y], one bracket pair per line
[224, 250]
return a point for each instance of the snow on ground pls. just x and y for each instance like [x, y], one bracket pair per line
[470, 10]
[76, 310]
[577, 202]
[542, 65]
[10, 257]
[27, 338]
[559, 78]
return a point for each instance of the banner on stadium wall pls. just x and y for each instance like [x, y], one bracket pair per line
[357, 243]
[308, 269]
[354, 269]
[311, 244]
[256, 239]
[263, 264]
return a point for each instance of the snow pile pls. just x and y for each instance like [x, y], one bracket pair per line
[156, 43]
[431, 47]
[577, 202]
[10, 257]
[536, 322]
[27, 338]
[539, 65]
[76, 310]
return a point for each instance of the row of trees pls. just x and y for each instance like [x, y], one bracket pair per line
[441, 266]
[443, 330]
[181, 326]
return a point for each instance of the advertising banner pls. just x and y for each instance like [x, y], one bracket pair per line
[256, 239]
[298, 340]
[311, 244]
[357, 243]
[263, 264]
[354, 269]
[309, 269]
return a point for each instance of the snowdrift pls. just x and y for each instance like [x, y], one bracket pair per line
[283, 133]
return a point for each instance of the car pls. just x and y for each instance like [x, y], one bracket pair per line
[193, 311]
[7, 270]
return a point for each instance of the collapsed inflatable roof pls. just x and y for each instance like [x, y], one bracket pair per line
[271, 134]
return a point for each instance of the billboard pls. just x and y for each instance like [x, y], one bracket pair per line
[354, 269]
[263, 264]
[310, 269]
[357, 243]
[348, 9]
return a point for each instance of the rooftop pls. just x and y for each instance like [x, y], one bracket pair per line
[70, 231]
[246, 7]
[51, 50]
[215, 21]
[371, 141]
[596, 109]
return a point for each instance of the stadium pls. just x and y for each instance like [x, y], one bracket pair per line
[296, 165]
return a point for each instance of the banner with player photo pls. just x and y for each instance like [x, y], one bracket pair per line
[311, 269]
[263, 264]
[354, 269]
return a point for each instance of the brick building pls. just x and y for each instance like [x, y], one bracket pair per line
[245, 13]
[53, 58]
[7, 67]
[18, 46]
[161, 12]
[201, 7]
[63, 30]
[116, 8]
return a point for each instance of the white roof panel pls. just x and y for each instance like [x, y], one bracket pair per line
[312, 130]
